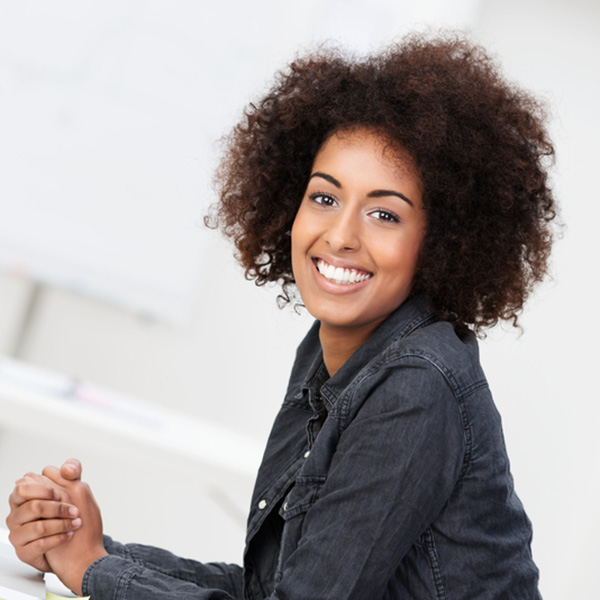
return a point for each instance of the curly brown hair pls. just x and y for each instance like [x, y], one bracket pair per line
[479, 145]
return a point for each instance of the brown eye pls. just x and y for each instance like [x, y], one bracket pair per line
[323, 199]
[385, 215]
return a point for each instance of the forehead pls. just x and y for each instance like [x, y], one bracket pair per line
[391, 152]
[359, 147]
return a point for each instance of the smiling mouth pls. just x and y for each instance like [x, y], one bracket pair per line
[341, 275]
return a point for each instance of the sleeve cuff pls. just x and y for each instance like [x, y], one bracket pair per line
[113, 547]
[106, 576]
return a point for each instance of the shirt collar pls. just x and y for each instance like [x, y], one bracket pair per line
[410, 315]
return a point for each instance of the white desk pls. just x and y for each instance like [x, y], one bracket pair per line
[207, 471]
[19, 581]
[50, 404]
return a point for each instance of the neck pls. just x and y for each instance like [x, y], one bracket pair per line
[339, 343]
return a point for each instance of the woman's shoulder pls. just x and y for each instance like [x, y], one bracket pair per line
[432, 352]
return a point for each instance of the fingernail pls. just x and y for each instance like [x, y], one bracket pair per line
[76, 522]
[70, 534]
[73, 511]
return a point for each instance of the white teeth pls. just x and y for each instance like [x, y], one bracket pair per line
[340, 275]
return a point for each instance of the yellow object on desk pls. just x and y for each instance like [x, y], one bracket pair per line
[55, 590]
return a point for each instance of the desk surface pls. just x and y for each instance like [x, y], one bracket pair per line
[53, 405]
[19, 581]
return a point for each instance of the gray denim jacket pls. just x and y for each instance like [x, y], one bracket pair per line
[403, 491]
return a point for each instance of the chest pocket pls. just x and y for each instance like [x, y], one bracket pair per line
[301, 497]
[296, 504]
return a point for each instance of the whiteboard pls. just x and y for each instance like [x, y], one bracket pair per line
[109, 116]
[106, 144]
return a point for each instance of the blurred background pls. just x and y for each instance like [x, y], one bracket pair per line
[129, 336]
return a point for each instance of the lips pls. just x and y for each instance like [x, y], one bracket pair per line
[341, 275]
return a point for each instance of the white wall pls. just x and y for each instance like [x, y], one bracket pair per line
[229, 362]
[545, 381]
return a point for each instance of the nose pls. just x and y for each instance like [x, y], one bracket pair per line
[343, 232]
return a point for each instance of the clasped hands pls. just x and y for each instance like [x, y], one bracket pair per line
[55, 523]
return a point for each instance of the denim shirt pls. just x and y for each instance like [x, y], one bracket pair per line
[389, 480]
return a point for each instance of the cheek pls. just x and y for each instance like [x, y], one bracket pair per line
[302, 232]
[401, 258]
[294, 239]
[402, 252]
[297, 243]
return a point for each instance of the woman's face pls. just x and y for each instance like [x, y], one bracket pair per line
[357, 233]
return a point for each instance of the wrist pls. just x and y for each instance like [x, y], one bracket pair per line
[72, 575]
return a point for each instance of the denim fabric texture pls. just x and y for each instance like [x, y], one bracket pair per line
[389, 480]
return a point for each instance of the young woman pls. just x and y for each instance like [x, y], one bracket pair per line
[405, 196]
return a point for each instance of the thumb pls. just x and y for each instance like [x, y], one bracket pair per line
[71, 469]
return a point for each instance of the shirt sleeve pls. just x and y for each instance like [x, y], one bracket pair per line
[394, 468]
[136, 572]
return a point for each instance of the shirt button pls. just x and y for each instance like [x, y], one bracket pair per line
[307, 454]
[285, 506]
[262, 505]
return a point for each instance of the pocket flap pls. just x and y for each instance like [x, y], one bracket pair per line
[301, 497]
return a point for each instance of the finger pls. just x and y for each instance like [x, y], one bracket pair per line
[28, 477]
[37, 486]
[31, 535]
[71, 469]
[34, 510]
[33, 478]
[42, 528]
[28, 490]
[33, 552]
[44, 509]
[53, 473]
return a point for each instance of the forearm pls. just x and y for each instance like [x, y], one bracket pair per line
[117, 578]
[221, 576]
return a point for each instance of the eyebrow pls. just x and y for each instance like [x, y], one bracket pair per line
[373, 194]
